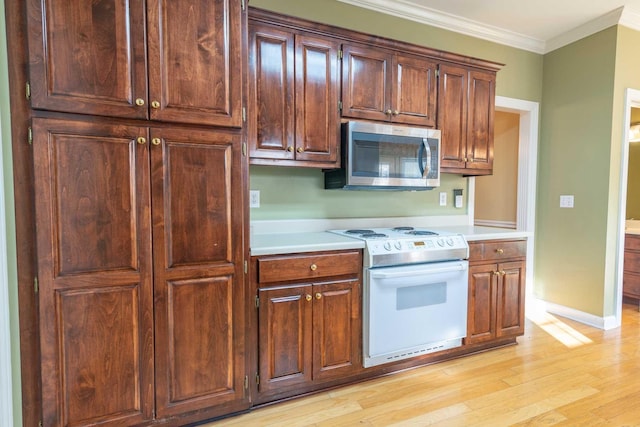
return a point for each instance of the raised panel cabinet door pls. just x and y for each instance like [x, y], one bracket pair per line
[416, 90]
[482, 90]
[197, 217]
[88, 57]
[452, 115]
[284, 351]
[271, 125]
[94, 261]
[510, 308]
[317, 95]
[195, 61]
[481, 316]
[337, 329]
[366, 87]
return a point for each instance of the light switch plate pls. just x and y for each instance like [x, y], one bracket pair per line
[443, 199]
[566, 201]
[254, 198]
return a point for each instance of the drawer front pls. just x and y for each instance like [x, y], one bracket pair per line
[632, 241]
[632, 262]
[631, 285]
[308, 266]
[497, 250]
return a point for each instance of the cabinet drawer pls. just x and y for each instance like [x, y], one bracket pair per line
[308, 266]
[497, 250]
[632, 261]
[631, 285]
[632, 241]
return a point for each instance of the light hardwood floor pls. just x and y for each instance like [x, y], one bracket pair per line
[561, 373]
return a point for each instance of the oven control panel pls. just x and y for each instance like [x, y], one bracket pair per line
[419, 244]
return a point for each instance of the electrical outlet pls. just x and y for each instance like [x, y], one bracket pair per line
[254, 198]
[443, 199]
[566, 201]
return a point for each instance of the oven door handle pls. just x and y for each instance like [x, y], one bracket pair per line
[413, 273]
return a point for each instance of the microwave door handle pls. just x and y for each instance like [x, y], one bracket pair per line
[424, 170]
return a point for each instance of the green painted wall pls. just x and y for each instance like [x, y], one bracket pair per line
[633, 177]
[7, 179]
[575, 145]
[297, 193]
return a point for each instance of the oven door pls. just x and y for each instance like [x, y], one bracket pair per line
[414, 310]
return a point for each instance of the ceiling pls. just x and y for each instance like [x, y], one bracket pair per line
[536, 25]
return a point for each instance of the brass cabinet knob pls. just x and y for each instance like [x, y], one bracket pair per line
[499, 251]
[388, 112]
[290, 149]
[313, 267]
[318, 295]
[308, 297]
[156, 141]
[496, 273]
[141, 140]
[139, 102]
[396, 112]
[155, 104]
[502, 272]
[300, 150]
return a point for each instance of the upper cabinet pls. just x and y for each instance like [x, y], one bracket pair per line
[294, 91]
[380, 84]
[466, 108]
[93, 57]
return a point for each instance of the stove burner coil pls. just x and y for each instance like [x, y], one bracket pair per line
[373, 235]
[402, 228]
[356, 231]
[422, 233]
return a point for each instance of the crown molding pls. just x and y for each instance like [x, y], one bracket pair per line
[411, 11]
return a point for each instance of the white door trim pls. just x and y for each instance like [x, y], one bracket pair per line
[6, 391]
[527, 172]
[632, 99]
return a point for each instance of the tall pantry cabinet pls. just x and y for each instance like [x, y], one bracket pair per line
[139, 171]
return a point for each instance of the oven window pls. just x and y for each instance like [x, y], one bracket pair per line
[421, 296]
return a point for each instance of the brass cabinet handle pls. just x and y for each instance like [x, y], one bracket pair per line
[313, 267]
[139, 102]
[318, 295]
[156, 141]
[155, 104]
[290, 149]
[308, 297]
[141, 140]
[499, 251]
[300, 150]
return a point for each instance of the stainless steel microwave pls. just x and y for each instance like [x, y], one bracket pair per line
[378, 156]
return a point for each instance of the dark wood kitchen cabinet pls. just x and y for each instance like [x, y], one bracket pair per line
[139, 271]
[309, 320]
[631, 273]
[466, 109]
[496, 290]
[386, 85]
[154, 59]
[294, 89]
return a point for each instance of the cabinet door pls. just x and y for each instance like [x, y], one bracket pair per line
[337, 329]
[88, 57]
[284, 337]
[366, 88]
[482, 88]
[94, 273]
[197, 215]
[271, 124]
[481, 318]
[195, 65]
[317, 94]
[452, 115]
[415, 91]
[510, 307]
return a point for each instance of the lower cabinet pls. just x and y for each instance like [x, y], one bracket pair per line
[309, 326]
[496, 290]
[631, 275]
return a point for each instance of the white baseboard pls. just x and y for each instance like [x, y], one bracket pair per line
[605, 323]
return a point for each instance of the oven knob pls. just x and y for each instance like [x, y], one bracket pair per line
[387, 246]
[450, 241]
[440, 242]
[398, 245]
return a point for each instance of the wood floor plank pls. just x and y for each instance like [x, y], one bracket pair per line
[561, 373]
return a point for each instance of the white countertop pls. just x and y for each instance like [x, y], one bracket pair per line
[284, 243]
[632, 226]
